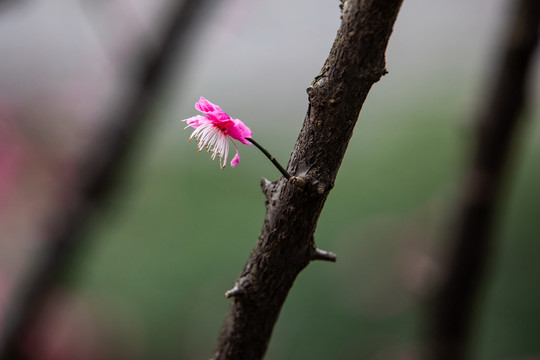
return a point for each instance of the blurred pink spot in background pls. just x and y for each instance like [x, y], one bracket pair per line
[74, 326]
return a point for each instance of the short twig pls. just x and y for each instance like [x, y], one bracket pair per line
[235, 291]
[323, 255]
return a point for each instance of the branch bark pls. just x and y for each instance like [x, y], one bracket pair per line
[472, 240]
[100, 172]
[286, 244]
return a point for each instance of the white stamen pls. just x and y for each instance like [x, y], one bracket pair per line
[214, 140]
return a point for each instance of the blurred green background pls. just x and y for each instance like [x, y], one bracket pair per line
[161, 253]
[181, 230]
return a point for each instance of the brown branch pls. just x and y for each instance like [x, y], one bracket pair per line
[450, 322]
[102, 168]
[293, 206]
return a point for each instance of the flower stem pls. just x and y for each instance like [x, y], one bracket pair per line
[271, 158]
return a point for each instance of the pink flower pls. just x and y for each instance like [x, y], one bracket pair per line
[215, 129]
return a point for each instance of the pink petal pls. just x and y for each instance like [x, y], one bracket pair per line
[206, 106]
[246, 131]
[197, 121]
[235, 160]
[237, 130]
[213, 111]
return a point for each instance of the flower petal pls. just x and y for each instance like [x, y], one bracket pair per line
[246, 131]
[237, 130]
[206, 106]
[235, 160]
[213, 111]
[197, 121]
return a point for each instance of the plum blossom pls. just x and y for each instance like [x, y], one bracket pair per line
[215, 129]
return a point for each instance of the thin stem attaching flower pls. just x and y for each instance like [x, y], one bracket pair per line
[271, 158]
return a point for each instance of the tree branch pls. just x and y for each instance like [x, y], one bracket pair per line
[100, 171]
[285, 245]
[450, 322]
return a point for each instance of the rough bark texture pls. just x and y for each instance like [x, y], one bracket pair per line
[100, 171]
[452, 313]
[286, 244]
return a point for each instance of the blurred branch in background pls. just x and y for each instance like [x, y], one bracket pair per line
[452, 315]
[99, 173]
[5, 3]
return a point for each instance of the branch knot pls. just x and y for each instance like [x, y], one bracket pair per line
[239, 288]
[298, 181]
